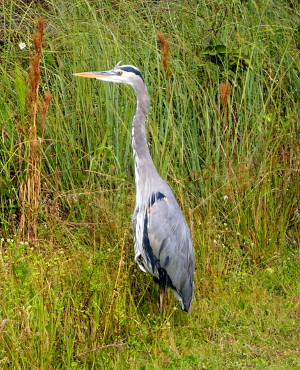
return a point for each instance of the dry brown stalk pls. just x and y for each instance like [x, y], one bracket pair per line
[30, 189]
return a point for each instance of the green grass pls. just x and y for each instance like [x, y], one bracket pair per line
[75, 298]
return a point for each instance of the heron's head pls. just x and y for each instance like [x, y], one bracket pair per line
[126, 74]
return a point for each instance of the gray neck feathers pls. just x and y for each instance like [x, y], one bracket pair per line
[143, 163]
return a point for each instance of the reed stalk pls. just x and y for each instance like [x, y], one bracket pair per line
[30, 188]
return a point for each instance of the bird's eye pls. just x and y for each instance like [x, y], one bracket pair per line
[120, 73]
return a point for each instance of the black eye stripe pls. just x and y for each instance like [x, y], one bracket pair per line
[133, 70]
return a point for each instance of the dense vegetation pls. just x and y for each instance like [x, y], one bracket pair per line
[223, 131]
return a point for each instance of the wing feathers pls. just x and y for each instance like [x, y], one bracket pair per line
[165, 248]
[170, 242]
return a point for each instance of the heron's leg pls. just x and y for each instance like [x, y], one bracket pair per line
[162, 289]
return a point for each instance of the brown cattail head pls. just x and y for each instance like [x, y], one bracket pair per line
[224, 89]
[224, 92]
[164, 45]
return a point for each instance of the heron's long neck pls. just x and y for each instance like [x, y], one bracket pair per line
[143, 163]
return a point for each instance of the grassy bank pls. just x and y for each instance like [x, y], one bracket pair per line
[223, 131]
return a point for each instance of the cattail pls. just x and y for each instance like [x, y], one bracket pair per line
[224, 89]
[164, 45]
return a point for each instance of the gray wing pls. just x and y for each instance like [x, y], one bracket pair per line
[170, 241]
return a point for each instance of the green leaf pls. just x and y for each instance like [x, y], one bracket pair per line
[21, 90]
[221, 49]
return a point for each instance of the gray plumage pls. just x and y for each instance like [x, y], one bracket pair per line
[162, 240]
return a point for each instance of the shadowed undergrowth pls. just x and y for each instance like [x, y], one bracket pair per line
[223, 130]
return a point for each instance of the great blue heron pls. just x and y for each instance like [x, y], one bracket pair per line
[162, 239]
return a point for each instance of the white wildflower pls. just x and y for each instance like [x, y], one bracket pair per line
[22, 45]
[225, 197]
